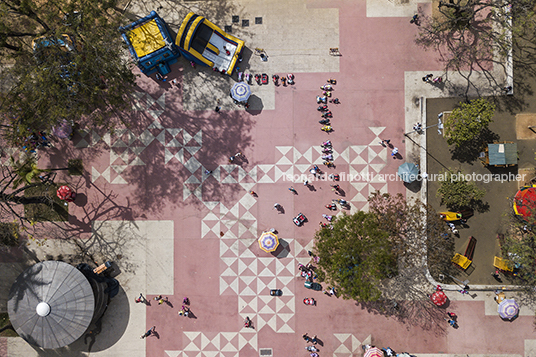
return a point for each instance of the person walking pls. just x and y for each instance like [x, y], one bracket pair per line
[162, 300]
[140, 298]
[277, 206]
[148, 333]
[452, 323]
[314, 340]
[293, 190]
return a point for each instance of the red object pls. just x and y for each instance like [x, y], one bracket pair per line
[439, 298]
[525, 201]
[66, 194]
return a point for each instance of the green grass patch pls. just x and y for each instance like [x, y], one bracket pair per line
[4, 321]
[75, 167]
[58, 210]
[9, 234]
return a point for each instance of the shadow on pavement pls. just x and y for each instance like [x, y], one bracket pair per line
[100, 336]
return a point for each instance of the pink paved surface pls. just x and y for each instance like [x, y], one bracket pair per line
[376, 52]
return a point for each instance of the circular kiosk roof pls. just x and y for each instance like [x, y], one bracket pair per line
[51, 304]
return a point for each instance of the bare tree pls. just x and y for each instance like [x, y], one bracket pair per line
[475, 38]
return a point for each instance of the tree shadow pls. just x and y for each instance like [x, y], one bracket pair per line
[408, 303]
[469, 151]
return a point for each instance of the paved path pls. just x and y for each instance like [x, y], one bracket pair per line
[181, 233]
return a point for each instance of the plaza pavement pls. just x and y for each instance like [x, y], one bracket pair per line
[172, 230]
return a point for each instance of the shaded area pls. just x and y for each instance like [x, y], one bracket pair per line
[55, 210]
[486, 223]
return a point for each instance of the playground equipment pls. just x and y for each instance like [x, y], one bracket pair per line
[150, 44]
[201, 41]
[465, 260]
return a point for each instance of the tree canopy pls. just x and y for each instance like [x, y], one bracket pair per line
[419, 237]
[355, 256]
[457, 193]
[478, 35]
[467, 122]
[519, 246]
[63, 59]
[395, 238]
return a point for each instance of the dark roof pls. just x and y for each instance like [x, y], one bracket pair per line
[68, 294]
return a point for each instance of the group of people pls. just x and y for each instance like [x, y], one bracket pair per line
[34, 141]
[311, 348]
[326, 113]
[185, 309]
[429, 78]
[307, 271]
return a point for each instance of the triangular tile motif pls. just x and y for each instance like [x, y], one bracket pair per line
[283, 150]
[155, 125]
[172, 353]
[377, 130]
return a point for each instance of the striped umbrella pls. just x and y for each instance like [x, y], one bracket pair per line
[241, 92]
[268, 242]
[439, 298]
[374, 352]
[65, 193]
[508, 309]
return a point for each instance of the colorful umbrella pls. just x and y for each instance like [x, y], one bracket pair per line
[268, 242]
[374, 352]
[525, 201]
[439, 298]
[65, 193]
[63, 130]
[408, 172]
[241, 92]
[508, 309]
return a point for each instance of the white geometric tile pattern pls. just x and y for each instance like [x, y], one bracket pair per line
[242, 273]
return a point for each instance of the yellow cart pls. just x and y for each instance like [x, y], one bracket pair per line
[461, 261]
[503, 264]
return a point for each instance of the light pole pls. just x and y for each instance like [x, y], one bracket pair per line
[464, 283]
[439, 126]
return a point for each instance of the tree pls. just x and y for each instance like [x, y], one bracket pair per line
[417, 234]
[519, 246]
[468, 121]
[26, 170]
[480, 35]
[9, 235]
[355, 256]
[412, 240]
[75, 69]
[457, 193]
[12, 195]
